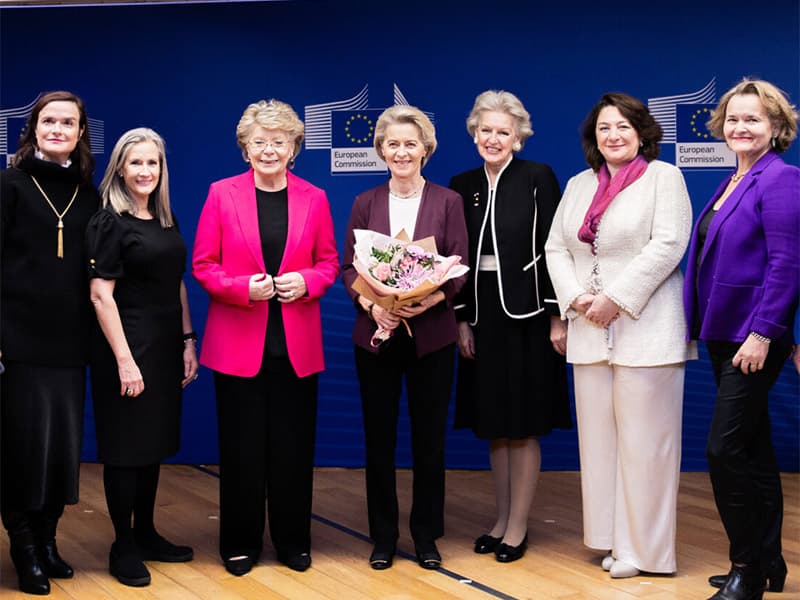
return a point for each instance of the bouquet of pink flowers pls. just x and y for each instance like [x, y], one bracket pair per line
[395, 272]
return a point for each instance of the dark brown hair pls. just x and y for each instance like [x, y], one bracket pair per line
[82, 155]
[648, 129]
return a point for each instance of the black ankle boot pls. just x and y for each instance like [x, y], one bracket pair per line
[775, 573]
[31, 575]
[44, 524]
[743, 583]
[52, 563]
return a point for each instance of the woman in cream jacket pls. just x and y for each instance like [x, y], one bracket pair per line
[613, 253]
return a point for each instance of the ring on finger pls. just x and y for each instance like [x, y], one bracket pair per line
[128, 392]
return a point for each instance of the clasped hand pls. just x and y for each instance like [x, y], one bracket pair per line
[597, 308]
[288, 287]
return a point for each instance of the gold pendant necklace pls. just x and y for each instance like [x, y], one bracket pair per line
[60, 217]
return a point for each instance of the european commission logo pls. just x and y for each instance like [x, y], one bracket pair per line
[347, 129]
[683, 118]
[12, 122]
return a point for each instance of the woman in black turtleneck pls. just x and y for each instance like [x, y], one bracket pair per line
[46, 200]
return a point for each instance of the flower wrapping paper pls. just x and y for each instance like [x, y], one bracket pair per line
[409, 271]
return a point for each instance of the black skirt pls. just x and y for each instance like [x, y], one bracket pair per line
[42, 431]
[516, 387]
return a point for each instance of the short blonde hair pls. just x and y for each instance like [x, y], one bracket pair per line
[504, 102]
[113, 189]
[401, 114]
[782, 114]
[270, 114]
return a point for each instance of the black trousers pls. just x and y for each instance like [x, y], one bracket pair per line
[267, 427]
[742, 465]
[429, 381]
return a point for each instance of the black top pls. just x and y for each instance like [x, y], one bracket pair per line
[147, 263]
[273, 226]
[702, 233]
[45, 313]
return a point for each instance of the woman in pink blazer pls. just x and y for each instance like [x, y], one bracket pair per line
[265, 252]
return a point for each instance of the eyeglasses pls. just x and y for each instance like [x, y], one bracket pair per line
[261, 145]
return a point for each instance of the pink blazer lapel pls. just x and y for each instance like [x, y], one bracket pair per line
[243, 199]
[299, 205]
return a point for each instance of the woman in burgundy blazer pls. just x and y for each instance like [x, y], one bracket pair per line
[405, 139]
[265, 252]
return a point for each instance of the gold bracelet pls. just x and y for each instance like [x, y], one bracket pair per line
[759, 337]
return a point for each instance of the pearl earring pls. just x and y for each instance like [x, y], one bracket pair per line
[774, 137]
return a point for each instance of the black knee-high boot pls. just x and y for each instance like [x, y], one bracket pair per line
[44, 524]
[125, 561]
[31, 574]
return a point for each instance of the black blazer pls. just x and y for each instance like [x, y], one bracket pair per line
[518, 223]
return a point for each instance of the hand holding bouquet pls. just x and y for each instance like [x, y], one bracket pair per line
[394, 273]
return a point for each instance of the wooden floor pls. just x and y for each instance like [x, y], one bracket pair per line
[556, 566]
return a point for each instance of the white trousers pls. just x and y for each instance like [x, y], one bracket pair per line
[629, 431]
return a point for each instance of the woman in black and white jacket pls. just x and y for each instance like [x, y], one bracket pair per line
[512, 375]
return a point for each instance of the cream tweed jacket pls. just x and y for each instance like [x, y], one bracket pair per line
[640, 242]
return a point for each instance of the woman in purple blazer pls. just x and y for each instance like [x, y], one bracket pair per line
[405, 139]
[740, 294]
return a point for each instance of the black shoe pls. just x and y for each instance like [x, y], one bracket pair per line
[775, 574]
[428, 556]
[299, 561]
[382, 556]
[52, 563]
[157, 548]
[742, 583]
[486, 544]
[126, 565]
[238, 565]
[505, 553]
[30, 572]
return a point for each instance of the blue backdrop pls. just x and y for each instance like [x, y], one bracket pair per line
[189, 71]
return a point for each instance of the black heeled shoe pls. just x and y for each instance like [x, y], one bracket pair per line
[52, 563]
[775, 574]
[31, 575]
[382, 556]
[297, 561]
[156, 548]
[126, 565]
[742, 583]
[238, 565]
[486, 544]
[505, 553]
[428, 556]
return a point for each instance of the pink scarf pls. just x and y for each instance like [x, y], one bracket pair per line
[607, 190]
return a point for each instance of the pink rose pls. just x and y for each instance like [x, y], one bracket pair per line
[382, 272]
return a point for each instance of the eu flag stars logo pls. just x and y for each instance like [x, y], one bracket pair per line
[695, 147]
[352, 148]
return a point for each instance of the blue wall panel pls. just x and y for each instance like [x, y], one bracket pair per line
[189, 71]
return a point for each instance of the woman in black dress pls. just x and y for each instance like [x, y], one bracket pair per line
[512, 384]
[143, 351]
[46, 200]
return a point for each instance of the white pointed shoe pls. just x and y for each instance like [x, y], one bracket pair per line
[621, 570]
[607, 562]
